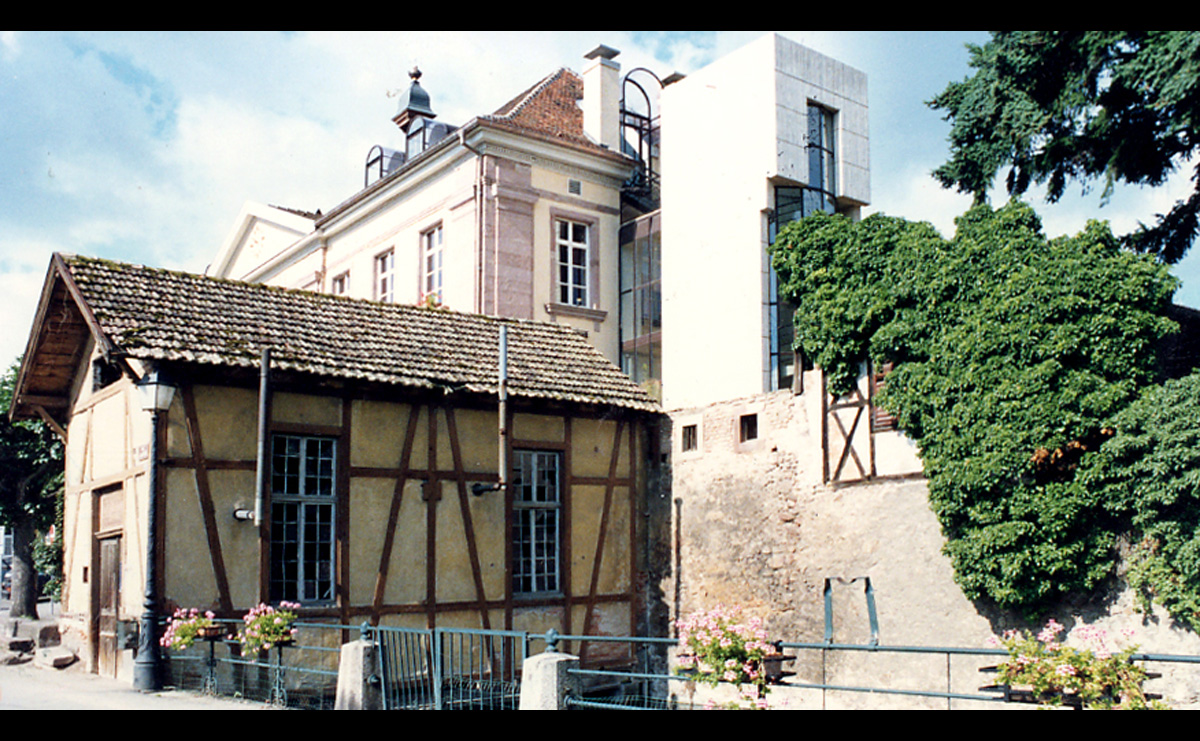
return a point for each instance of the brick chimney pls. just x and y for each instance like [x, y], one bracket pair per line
[602, 97]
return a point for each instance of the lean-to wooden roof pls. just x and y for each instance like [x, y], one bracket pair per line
[154, 314]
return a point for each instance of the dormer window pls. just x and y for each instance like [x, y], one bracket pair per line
[104, 373]
[415, 143]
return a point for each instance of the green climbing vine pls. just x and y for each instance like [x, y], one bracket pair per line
[1150, 473]
[1013, 355]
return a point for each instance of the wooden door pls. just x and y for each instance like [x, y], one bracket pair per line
[107, 649]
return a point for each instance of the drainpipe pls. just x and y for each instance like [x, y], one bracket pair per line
[502, 422]
[503, 463]
[264, 411]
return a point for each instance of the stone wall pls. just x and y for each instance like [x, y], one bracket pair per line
[750, 523]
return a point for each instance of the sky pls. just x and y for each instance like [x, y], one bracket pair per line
[144, 146]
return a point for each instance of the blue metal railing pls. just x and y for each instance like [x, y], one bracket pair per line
[450, 669]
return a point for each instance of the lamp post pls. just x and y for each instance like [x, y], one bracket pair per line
[156, 394]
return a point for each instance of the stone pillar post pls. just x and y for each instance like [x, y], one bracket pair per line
[355, 688]
[546, 681]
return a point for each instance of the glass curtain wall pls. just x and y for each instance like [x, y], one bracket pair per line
[641, 302]
[792, 203]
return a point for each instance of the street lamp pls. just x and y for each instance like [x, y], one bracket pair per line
[156, 393]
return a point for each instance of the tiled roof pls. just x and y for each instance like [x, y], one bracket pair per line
[152, 313]
[551, 108]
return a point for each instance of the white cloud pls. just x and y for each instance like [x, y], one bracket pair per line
[916, 196]
[21, 279]
[9, 45]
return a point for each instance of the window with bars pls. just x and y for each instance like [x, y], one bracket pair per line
[302, 518]
[537, 501]
[573, 258]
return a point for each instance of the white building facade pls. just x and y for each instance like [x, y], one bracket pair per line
[634, 208]
[760, 137]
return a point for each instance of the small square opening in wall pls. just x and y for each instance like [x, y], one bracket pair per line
[574, 187]
[748, 428]
[691, 438]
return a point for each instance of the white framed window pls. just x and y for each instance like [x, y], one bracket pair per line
[340, 285]
[385, 277]
[303, 509]
[537, 526]
[431, 264]
[573, 248]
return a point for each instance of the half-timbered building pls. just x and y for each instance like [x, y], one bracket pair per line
[340, 453]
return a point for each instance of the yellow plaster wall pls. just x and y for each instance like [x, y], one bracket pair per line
[188, 574]
[538, 619]
[406, 569]
[77, 552]
[239, 540]
[537, 427]
[228, 423]
[455, 576]
[227, 420]
[378, 434]
[78, 432]
[587, 509]
[304, 409]
[371, 501]
[606, 619]
[478, 436]
[110, 450]
[592, 440]
[133, 546]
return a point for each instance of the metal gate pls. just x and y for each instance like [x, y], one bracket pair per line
[450, 669]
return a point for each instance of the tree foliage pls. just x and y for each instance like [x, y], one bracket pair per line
[1063, 106]
[31, 474]
[1012, 352]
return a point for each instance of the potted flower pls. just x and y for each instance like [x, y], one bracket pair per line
[267, 626]
[717, 646]
[1042, 670]
[188, 624]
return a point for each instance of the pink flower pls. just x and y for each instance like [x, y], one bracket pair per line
[1065, 670]
[1050, 632]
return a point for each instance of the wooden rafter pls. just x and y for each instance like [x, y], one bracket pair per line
[389, 536]
[460, 476]
[609, 487]
[200, 469]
